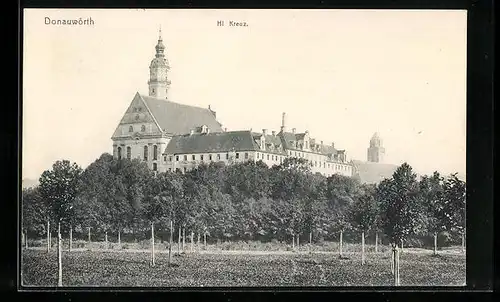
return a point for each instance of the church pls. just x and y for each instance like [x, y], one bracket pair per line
[171, 136]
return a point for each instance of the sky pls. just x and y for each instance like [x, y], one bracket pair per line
[340, 74]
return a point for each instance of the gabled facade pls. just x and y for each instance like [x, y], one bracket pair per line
[151, 121]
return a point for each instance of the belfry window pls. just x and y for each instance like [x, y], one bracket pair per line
[129, 153]
[119, 153]
[145, 152]
[155, 152]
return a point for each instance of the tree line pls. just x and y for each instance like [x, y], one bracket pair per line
[244, 201]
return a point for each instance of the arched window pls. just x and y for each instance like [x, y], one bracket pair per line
[130, 129]
[155, 152]
[143, 128]
[145, 152]
[129, 153]
[154, 167]
[119, 152]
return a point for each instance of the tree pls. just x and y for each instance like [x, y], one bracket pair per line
[341, 193]
[59, 187]
[401, 215]
[363, 214]
[454, 205]
[34, 213]
[431, 193]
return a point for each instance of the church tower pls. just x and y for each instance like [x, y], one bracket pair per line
[158, 81]
[376, 151]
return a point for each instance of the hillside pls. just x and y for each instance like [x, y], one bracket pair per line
[29, 183]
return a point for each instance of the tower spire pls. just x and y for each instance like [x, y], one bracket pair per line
[158, 81]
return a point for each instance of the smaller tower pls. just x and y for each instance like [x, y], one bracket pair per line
[376, 151]
[158, 81]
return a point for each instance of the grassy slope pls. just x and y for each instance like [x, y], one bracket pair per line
[95, 268]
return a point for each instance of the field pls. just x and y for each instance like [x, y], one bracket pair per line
[99, 267]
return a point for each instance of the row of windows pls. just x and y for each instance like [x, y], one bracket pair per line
[218, 157]
[270, 157]
[146, 152]
[202, 157]
[184, 169]
[303, 155]
[329, 166]
[131, 128]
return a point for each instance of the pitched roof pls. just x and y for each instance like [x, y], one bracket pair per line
[372, 173]
[212, 142]
[288, 137]
[270, 139]
[180, 119]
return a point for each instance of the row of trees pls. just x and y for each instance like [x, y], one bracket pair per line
[241, 201]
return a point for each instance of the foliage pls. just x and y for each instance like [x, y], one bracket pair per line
[34, 213]
[59, 188]
[364, 210]
[241, 201]
[398, 199]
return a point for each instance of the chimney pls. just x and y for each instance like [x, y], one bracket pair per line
[283, 122]
[307, 132]
[264, 131]
[274, 133]
[213, 112]
[293, 130]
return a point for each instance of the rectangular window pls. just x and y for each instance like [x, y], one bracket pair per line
[268, 157]
[185, 169]
[246, 155]
[237, 155]
[218, 156]
[194, 157]
[170, 158]
[177, 158]
[185, 157]
[164, 158]
[169, 169]
[201, 157]
[227, 155]
[210, 157]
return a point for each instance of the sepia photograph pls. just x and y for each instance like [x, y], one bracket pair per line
[199, 148]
